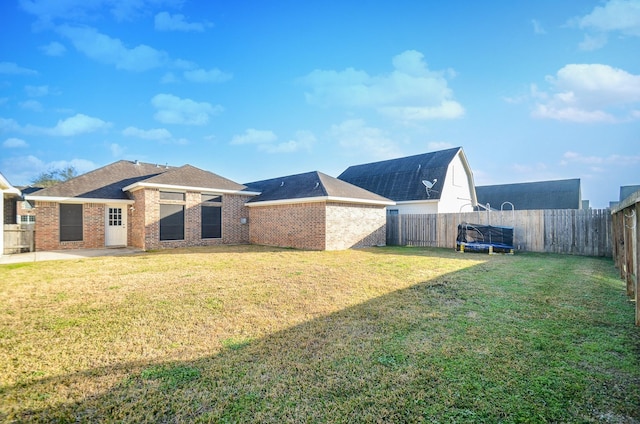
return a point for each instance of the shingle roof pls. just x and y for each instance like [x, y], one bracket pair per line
[626, 191]
[401, 179]
[190, 176]
[108, 182]
[309, 185]
[104, 183]
[558, 194]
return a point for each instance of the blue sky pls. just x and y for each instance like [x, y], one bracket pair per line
[253, 90]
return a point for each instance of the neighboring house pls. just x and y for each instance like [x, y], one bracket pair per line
[435, 182]
[317, 212]
[8, 197]
[141, 205]
[627, 191]
[559, 194]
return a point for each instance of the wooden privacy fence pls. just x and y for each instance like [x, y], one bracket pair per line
[578, 232]
[18, 238]
[626, 233]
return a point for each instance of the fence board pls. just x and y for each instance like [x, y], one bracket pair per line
[18, 239]
[559, 231]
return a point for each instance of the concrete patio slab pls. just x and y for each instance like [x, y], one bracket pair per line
[66, 254]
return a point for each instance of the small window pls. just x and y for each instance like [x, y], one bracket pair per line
[211, 221]
[27, 219]
[211, 198]
[171, 222]
[393, 211]
[172, 195]
[70, 222]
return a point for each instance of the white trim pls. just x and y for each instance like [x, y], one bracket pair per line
[319, 200]
[59, 199]
[209, 190]
[409, 202]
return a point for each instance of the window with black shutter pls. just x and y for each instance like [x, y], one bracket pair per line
[211, 216]
[70, 222]
[171, 222]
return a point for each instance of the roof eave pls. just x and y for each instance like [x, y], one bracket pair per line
[63, 199]
[319, 199]
[141, 185]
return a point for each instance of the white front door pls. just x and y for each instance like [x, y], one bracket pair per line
[116, 226]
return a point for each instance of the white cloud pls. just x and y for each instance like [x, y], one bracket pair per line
[614, 15]
[439, 145]
[81, 165]
[589, 93]
[76, 125]
[354, 134]
[48, 11]
[619, 16]
[590, 43]
[152, 134]
[267, 141]
[32, 105]
[53, 49]
[614, 160]
[174, 110]
[169, 78]
[13, 69]
[253, 136]
[165, 21]
[9, 125]
[411, 92]
[116, 150]
[211, 76]
[36, 91]
[13, 143]
[537, 27]
[112, 51]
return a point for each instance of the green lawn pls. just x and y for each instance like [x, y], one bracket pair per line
[255, 334]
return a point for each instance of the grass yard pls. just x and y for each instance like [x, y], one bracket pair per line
[255, 334]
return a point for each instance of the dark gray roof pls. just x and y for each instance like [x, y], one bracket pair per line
[558, 194]
[401, 179]
[104, 183]
[190, 176]
[626, 191]
[107, 182]
[310, 184]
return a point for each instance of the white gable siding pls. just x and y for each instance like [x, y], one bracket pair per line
[456, 190]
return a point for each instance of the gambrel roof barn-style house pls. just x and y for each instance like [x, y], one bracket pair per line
[435, 182]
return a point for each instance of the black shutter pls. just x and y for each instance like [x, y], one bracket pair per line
[70, 222]
[211, 221]
[171, 222]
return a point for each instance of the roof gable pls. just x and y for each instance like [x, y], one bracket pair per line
[103, 183]
[308, 186]
[190, 176]
[557, 194]
[401, 179]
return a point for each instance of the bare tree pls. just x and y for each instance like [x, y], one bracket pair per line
[54, 176]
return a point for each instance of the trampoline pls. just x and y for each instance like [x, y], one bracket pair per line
[484, 238]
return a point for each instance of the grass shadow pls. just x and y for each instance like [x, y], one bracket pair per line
[471, 345]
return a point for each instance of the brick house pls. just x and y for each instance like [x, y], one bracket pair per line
[141, 205]
[317, 212]
[156, 207]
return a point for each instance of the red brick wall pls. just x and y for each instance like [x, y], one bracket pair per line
[48, 227]
[301, 225]
[148, 202]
